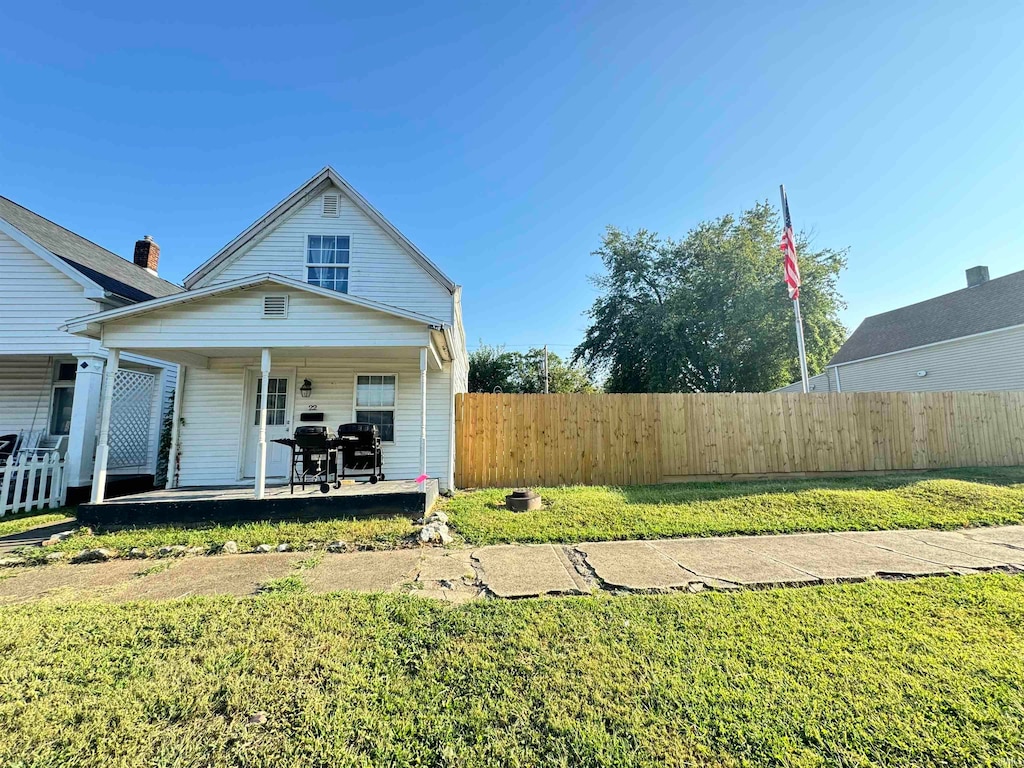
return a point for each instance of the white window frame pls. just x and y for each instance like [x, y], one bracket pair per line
[393, 408]
[306, 263]
[55, 384]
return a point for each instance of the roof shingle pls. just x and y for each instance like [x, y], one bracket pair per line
[119, 276]
[995, 304]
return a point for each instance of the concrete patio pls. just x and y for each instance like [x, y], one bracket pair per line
[518, 571]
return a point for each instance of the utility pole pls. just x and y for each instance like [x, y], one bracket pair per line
[545, 369]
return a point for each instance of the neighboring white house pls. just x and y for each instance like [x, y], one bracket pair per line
[322, 291]
[50, 379]
[970, 339]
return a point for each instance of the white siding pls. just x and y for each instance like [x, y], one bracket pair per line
[380, 269]
[823, 382]
[35, 300]
[993, 361]
[25, 384]
[211, 437]
[236, 320]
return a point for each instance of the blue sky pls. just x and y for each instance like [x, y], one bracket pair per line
[503, 137]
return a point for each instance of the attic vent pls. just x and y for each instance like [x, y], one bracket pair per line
[275, 306]
[330, 205]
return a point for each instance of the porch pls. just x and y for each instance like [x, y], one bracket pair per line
[260, 356]
[238, 504]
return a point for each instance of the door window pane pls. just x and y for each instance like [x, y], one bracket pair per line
[277, 401]
[60, 410]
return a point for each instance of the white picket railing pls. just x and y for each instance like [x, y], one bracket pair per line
[30, 482]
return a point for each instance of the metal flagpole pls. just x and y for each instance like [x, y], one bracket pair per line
[545, 369]
[788, 224]
[800, 344]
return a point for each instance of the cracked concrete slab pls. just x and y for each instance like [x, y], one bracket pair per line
[956, 541]
[907, 543]
[831, 557]
[728, 560]
[186, 577]
[1010, 535]
[445, 565]
[74, 582]
[525, 571]
[363, 571]
[635, 565]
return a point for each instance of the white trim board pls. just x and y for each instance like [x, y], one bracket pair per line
[93, 290]
[926, 346]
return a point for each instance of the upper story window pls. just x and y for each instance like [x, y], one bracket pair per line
[327, 261]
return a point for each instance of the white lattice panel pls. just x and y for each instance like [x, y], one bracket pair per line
[130, 417]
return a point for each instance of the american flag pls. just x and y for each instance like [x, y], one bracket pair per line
[788, 247]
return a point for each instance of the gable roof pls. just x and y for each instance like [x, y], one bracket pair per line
[88, 325]
[997, 303]
[115, 275]
[316, 185]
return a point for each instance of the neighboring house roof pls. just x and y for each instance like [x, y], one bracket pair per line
[89, 324]
[997, 303]
[322, 180]
[116, 275]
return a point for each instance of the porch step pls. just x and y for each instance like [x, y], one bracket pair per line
[232, 505]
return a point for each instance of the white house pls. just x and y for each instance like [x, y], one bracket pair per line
[49, 378]
[971, 339]
[322, 291]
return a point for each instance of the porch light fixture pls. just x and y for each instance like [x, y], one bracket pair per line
[307, 388]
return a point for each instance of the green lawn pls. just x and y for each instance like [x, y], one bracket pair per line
[360, 533]
[10, 524]
[945, 499]
[919, 673]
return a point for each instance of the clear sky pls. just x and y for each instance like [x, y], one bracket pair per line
[503, 137]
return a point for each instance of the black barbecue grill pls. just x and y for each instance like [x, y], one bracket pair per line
[317, 454]
[314, 457]
[359, 445]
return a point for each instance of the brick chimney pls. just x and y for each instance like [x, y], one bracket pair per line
[147, 254]
[975, 275]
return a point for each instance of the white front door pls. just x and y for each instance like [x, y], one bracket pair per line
[279, 422]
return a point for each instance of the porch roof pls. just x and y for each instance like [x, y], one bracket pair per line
[91, 326]
[225, 321]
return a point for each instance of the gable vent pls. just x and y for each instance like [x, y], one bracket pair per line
[330, 203]
[275, 306]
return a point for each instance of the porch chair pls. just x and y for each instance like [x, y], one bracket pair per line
[38, 444]
[7, 445]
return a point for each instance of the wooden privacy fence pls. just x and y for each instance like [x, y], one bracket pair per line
[507, 440]
[32, 482]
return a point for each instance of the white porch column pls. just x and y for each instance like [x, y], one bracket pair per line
[261, 456]
[84, 408]
[423, 414]
[172, 456]
[99, 475]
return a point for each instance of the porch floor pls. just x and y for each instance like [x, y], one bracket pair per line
[236, 503]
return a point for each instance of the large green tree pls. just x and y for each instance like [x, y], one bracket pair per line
[494, 368]
[709, 313]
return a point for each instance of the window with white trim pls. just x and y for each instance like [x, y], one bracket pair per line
[327, 258]
[62, 398]
[375, 403]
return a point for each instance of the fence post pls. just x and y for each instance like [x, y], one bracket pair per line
[6, 470]
[19, 479]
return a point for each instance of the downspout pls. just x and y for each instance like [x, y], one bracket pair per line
[839, 384]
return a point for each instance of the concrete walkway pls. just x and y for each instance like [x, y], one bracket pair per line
[34, 536]
[511, 571]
